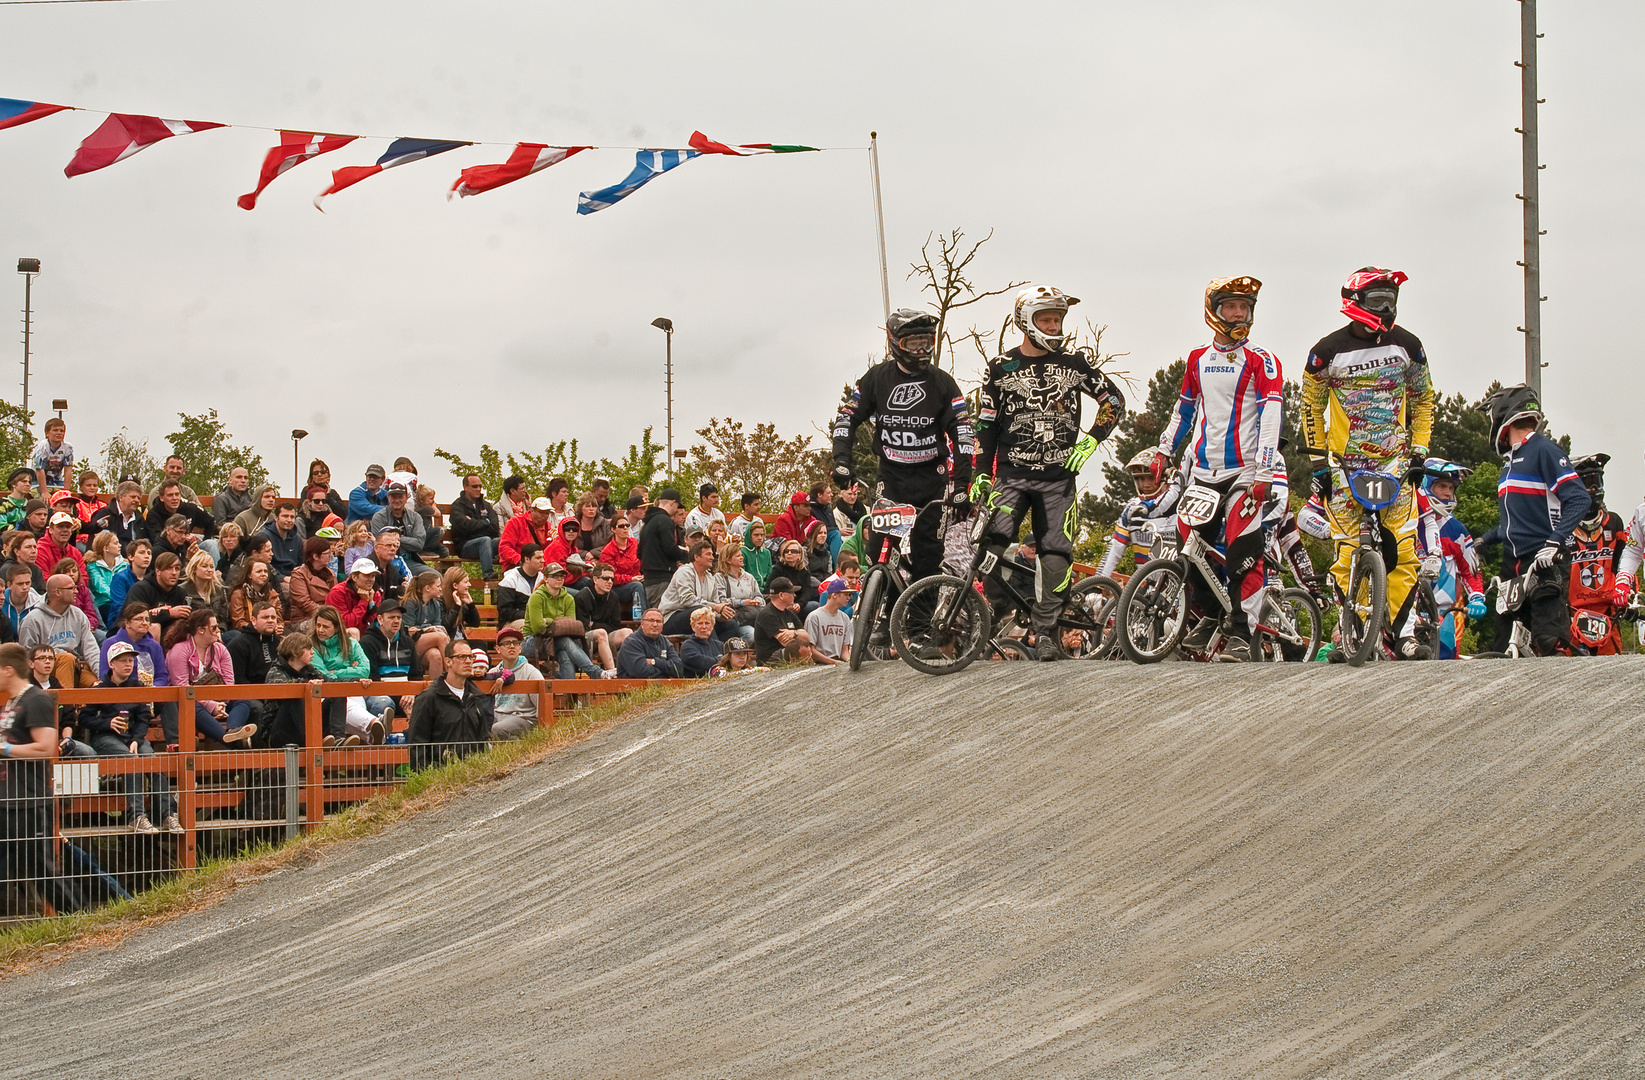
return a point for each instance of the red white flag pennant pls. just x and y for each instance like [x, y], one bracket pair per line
[399, 152]
[122, 135]
[526, 159]
[295, 148]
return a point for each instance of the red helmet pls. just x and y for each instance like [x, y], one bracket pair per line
[1371, 296]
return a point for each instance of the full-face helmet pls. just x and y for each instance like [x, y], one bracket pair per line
[1035, 299]
[911, 336]
[1371, 296]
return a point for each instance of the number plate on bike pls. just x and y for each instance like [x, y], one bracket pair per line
[892, 520]
[1374, 490]
[1198, 505]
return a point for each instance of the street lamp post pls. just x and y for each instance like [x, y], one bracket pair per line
[297, 437]
[667, 327]
[28, 268]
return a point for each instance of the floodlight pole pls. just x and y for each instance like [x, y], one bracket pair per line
[879, 221]
[1530, 197]
[667, 327]
[28, 268]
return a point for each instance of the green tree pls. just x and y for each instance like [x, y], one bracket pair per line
[760, 461]
[203, 443]
[1139, 430]
[124, 455]
[642, 464]
[16, 435]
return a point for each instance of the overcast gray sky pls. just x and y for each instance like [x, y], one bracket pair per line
[1125, 152]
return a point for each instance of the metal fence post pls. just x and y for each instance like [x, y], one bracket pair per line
[293, 798]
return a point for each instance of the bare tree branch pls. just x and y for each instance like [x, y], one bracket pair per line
[945, 275]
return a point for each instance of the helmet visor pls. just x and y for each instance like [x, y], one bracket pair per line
[1379, 300]
[919, 343]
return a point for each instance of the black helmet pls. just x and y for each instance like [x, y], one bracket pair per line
[912, 337]
[1507, 405]
[1591, 470]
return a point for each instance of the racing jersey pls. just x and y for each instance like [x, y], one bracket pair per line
[1596, 554]
[1378, 393]
[1230, 401]
[1134, 529]
[1445, 536]
[1634, 551]
[1539, 495]
[1028, 418]
[915, 417]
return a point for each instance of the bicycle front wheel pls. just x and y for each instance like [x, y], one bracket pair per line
[1291, 629]
[1365, 607]
[940, 624]
[1089, 613]
[868, 618]
[1153, 612]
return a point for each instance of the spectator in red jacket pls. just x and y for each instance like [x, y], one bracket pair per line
[530, 527]
[357, 597]
[58, 544]
[796, 523]
[562, 551]
[623, 555]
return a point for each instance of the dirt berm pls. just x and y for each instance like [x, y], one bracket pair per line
[1079, 870]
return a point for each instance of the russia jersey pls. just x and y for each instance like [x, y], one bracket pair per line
[1229, 408]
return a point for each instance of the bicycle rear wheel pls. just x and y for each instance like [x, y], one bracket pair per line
[1365, 607]
[1153, 612]
[940, 624]
[1008, 649]
[868, 617]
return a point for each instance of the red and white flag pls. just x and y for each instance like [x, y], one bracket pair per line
[295, 148]
[122, 135]
[526, 159]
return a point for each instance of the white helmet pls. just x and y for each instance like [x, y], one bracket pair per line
[1035, 299]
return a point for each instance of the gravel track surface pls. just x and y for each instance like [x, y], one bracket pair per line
[1025, 870]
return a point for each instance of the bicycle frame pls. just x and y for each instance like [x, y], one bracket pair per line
[991, 565]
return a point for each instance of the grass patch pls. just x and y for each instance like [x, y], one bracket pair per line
[26, 945]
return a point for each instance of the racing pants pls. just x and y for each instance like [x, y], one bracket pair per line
[1545, 611]
[1055, 511]
[1237, 529]
[1399, 543]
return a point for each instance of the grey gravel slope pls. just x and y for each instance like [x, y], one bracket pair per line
[1023, 870]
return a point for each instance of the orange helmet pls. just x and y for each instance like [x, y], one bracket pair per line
[1229, 288]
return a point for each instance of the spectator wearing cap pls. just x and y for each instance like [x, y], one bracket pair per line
[662, 549]
[311, 583]
[531, 527]
[393, 657]
[173, 472]
[35, 516]
[356, 599]
[622, 554]
[693, 587]
[737, 527]
[402, 516]
[517, 585]
[365, 500]
[777, 628]
[563, 550]
[475, 528]
[121, 729]
[516, 714]
[123, 516]
[515, 500]
[706, 510]
[634, 510]
[264, 501]
[549, 605]
[170, 501]
[65, 628]
[796, 523]
[176, 538]
[738, 658]
[452, 718]
[393, 572]
[235, 498]
[21, 490]
[646, 653]
[285, 539]
[58, 544]
[828, 626]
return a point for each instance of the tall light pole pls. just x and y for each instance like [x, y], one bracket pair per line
[1530, 199]
[667, 327]
[297, 437]
[28, 268]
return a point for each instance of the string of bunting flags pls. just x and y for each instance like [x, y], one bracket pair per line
[121, 135]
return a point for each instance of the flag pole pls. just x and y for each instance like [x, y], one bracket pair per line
[879, 220]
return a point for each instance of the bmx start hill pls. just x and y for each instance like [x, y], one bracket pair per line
[1070, 870]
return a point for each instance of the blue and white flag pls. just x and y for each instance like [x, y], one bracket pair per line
[648, 165]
